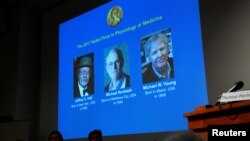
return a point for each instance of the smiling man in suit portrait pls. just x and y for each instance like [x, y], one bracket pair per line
[84, 82]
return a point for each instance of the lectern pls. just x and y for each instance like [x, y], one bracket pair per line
[231, 113]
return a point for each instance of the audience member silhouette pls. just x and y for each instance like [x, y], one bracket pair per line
[55, 136]
[95, 135]
[183, 136]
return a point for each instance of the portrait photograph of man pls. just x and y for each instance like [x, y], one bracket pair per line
[83, 76]
[157, 62]
[117, 68]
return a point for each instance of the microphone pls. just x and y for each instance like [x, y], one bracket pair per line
[238, 85]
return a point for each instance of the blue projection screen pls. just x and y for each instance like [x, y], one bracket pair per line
[160, 79]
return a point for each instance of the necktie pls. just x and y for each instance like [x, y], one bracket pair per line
[83, 92]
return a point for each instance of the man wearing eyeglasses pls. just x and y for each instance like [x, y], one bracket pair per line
[84, 85]
[114, 68]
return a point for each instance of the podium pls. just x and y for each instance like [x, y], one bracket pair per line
[231, 113]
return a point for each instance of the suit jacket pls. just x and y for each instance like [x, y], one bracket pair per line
[90, 89]
[150, 76]
[127, 84]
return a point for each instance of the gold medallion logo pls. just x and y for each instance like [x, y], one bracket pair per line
[114, 16]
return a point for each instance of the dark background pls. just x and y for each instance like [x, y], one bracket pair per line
[29, 46]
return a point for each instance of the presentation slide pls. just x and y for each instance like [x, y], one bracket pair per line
[130, 67]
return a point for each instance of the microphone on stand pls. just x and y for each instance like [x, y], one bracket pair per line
[238, 85]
